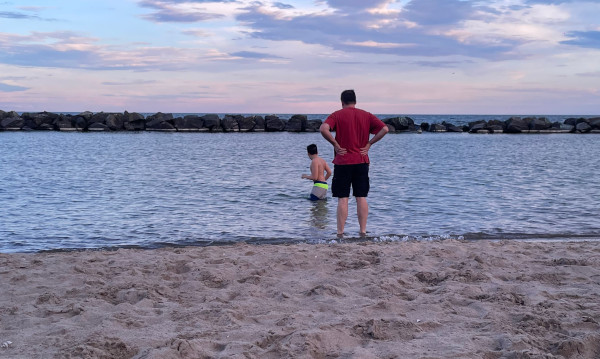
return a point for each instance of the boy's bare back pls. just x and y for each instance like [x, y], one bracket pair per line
[319, 169]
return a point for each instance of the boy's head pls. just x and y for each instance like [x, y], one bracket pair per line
[312, 149]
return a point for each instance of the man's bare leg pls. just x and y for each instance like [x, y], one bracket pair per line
[342, 214]
[362, 210]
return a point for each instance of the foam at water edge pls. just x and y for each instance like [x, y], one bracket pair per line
[395, 238]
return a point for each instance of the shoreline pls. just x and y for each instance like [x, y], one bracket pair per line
[435, 299]
[383, 239]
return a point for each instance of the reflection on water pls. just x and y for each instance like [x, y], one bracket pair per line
[319, 214]
[91, 190]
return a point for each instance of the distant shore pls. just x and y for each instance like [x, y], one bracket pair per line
[436, 299]
[167, 122]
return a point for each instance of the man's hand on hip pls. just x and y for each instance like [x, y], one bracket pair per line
[340, 151]
[365, 150]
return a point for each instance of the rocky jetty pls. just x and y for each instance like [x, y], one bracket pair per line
[166, 122]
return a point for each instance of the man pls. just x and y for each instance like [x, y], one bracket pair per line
[351, 145]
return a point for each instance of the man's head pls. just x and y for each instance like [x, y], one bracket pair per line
[312, 149]
[348, 97]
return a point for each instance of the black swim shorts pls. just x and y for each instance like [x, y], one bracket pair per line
[346, 176]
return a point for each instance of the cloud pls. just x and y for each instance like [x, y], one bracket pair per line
[589, 74]
[356, 5]
[11, 88]
[254, 55]
[380, 45]
[280, 5]
[167, 12]
[22, 16]
[52, 49]
[438, 12]
[18, 16]
[584, 39]
[69, 50]
[441, 64]
[550, 2]
[197, 33]
[196, 1]
[136, 82]
[377, 32]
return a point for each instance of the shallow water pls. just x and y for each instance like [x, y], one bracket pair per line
[95, 190]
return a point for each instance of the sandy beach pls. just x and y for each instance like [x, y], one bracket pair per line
[442, 299]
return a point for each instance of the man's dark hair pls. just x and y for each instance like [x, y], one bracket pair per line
[312, 149]
[348, 97]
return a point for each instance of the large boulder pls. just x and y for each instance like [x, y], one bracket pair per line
[478, 127]
[274, 123]
[39, 121]
[160, 122]
[583, 127]
[161, 126]
[98, 127]
[133, 121]
[230, 123]
[424, 126]
[212, 122]
[159, 117]
[80, 123]
[246, 123]
[45, 127]
[11, 114]
[115, 121]
[189, 123]
[496, 124]
[595, 123]
[538, 124]
[516, 125]
[99, 117]
[12, 123]
[313, 125]
[65, 123]
[87, 115]
[259, 124]
[567, 128]
[571, 121]
[477, 124]
[453, 128]
[297, 123]
[437, 127]
[400, 123]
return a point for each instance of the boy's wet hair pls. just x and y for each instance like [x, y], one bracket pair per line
[348, 97]
[312, 149]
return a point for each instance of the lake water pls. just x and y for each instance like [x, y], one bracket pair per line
[102, 190]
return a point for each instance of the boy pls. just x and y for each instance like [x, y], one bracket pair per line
[317, 167]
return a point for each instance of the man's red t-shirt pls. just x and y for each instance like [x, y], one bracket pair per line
[352, 127]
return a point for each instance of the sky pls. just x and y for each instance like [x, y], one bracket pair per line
[245, 56]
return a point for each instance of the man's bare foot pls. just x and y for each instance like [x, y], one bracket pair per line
[362, 234]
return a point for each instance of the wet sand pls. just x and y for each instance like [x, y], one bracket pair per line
[443, 299]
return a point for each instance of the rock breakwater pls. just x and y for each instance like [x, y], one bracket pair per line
[166, 122]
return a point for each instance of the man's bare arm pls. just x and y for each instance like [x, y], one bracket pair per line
[326, 133]
[377, 137]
